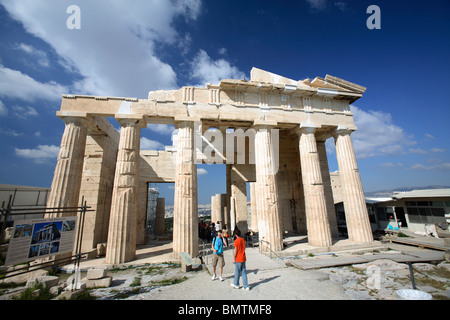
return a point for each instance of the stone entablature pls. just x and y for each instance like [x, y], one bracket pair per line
[320, 102]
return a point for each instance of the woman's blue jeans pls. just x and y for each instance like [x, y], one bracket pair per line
[240, 270]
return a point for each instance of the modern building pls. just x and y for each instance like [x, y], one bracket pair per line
[411, 210]
[22, 197]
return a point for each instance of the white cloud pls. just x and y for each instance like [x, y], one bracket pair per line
[161, 128]
[114, 50]
[377, 135]
[440, 167]
[10, 132]
[317, 4]
[40, 154]
[417, 151]
[223, 51]
[206, 70]
[24, 112]
[201, 171]
[40, 55]
[3, 110]
[15, 84]
[341, 5]
[391, 165]
[184, 43]
[147, 144]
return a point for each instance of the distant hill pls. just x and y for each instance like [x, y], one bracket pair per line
[388, 193]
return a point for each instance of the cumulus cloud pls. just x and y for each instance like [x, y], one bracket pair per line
[201, 171]
[40, 55]
[24, 112]
[161, 128]
[317, 4]
[206, 70]
[147, 144]
[15, 84]
[377, 135]
[114, 51]
[417, 151]
[3, 109]
[341, 5]
[40, 154]
[10, 132]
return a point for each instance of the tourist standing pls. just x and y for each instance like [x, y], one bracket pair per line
[218, 226]
[239, 259]
[218, 259]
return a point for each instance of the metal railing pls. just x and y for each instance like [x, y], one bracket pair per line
[269, 246]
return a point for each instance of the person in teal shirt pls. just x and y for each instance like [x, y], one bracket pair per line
[217, 245]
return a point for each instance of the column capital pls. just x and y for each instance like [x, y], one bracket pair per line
[262, 124]
[74, 114]
[306, 128]
[183, 121]
[78, 118]
[131, 122]
[343, 130]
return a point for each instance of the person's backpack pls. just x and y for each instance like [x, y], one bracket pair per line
[224, 242]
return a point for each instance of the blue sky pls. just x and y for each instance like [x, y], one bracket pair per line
[127, 48]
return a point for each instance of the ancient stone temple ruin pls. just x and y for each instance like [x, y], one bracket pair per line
[269, 131]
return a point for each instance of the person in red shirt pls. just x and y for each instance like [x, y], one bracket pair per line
[239, 260]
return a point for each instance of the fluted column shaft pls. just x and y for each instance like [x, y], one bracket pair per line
[332, 219]
[65, 190]
[216, 208]
[315, 204]
[356, 215]
[185, 216]
[254, 214]
[268, 211]
[121, 246]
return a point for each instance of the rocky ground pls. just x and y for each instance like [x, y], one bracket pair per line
[381, 279]
[377, 280]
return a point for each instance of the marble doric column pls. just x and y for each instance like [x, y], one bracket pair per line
[185, 215]
[227, 215]
[317, 224]
[332, 219]
[65, 190]
[239, 194]
[253, 210]
[266, 165]
[121, 245]
[215, 207]
[356, 215]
